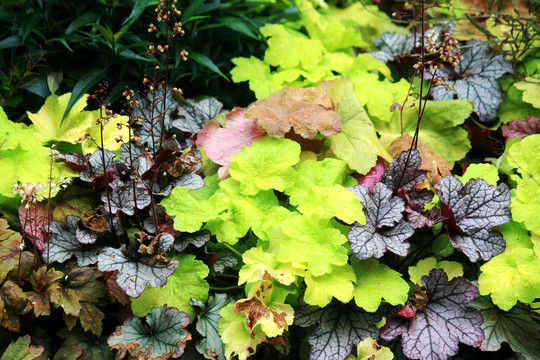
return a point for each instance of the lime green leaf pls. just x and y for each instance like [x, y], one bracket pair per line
[15, 134]
[266, 164]
[28, 166]
[376, 281]
[260, 265]
[423, 267]
[511, 277]
[330, 201]
[289, 49]
[48, 120]
[525, 206]
[260, 309]
[513, 106]
[22, 350]
[185, 283]
[439, 130]
[261, 82]
[111, 132]
[338, 284]
[516, 235]
[236, 336]
[309, 242]
[191, 208]
[357, 144]
[368, 349]
[311, 173]
[531, 91]
[487, 172]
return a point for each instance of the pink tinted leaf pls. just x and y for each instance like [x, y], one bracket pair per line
[373, 176]
[33, 219]
[220, 143]
[521, 127]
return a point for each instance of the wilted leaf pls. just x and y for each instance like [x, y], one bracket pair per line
[385, 228]
[274, 318]
[435, 331]
[64, 243]
[475, 78]
[46, 289]
[339, 328]
[22, 350]
[307, 110]
[133, 272]
[472, 211]
[211, 346]
[521, 128]
[514, 327]
[162, 337]
[220, 143]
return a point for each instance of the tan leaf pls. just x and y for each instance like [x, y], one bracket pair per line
[435, 166]
[46, 289]
[115, 292]
[307, 110]
[95, 221]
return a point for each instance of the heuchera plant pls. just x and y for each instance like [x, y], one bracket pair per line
[340, 216]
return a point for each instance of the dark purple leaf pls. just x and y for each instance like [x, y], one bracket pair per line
[475, 79]
[521, 128]
[133, 272]
[475, 209]
[162, 337]
[64, 243]
[96, 167]
[123, 199]
[446, 321]
[339, 328]
[385, 228]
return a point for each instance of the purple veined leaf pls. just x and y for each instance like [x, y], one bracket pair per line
[475, 78]
[447, 319]
[95, 167]
[64, 243]
[385, 228]
[133, 272]
[339, 328]
[122, 197]
[162, 337]
[473, 210]
[224, 259]
[190, 116]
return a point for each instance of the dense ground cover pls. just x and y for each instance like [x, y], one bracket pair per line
[290, 180]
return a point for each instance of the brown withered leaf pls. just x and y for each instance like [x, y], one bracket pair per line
[435, 166]
[95, 221]
[306, 110]
[274, 318]
[186, 163]
[46, 289]
[115, 292]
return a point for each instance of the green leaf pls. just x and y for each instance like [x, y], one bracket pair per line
[368, 349]
[338, 283]
[531, 91]
[439, 129]
[423, 267]
[206, 62]
[514, 327]
[357, 144]
[309, 242]
[513, 106]
[511, 277]
[235, 334]
[254, 70]
[14, 134]
[523, 155]
[335, 201]
[375, 282]
[163, 336]
[110, 133]
[187, 281]
[266, 164]
[22, 350]
[487, 172]
[81, 87]
[260, 265]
